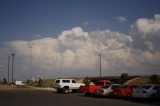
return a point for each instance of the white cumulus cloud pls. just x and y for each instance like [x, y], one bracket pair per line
[72, 50]
[76, 53]
[121, 19]
[148, 27]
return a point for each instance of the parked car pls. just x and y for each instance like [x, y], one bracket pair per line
[157, 95]
[91, 89]
[124, 91]
[66, 85]
[146, 91]
[106, 90]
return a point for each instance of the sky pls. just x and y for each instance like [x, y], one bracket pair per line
[63, 38]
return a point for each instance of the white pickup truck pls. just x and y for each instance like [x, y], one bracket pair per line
[67, 85]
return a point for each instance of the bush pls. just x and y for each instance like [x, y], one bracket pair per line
[155, 79]
[40, 83]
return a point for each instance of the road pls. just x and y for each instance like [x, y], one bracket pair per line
[31, 97]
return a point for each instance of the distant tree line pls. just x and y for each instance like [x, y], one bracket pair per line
[4, 81]
[155, 79]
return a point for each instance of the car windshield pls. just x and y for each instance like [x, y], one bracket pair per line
[146, 87]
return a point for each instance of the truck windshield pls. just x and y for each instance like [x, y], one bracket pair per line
[99, 83]
[57, 81]
[105, 86]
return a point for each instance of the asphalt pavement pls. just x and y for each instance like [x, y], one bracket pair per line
[24, 96]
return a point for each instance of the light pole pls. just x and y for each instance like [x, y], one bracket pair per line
[12, 65]
[101, 52]
[8, 67]
[31, 62]
[100, 65]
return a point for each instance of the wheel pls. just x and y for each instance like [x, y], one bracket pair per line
[59, 90]
[87, 94]
[129, 96]
[66, 89]
[152, 97]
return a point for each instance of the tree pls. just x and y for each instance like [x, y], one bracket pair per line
[40, 83]
[86, 81]
[123, 78]
[4, 81]
[155, 79]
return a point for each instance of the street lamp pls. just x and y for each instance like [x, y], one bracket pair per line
[101, 51]
[8, 67]
[31, 61]
[12, 65]
[100, 61]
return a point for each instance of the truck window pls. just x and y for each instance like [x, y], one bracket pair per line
[99, 83]
[57, 81]
[66, 81]
[107, 86]
[73, 81]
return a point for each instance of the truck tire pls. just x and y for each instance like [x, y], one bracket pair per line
[59, 90]
[66, 89]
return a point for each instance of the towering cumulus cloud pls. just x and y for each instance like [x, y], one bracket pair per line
[76, 53]
[146, 47]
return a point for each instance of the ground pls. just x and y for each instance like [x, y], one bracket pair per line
[27, 96]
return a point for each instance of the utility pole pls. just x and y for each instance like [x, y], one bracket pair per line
[8, 67]
[101, 52]
[12, 65]
[100, 65]
[31, 62]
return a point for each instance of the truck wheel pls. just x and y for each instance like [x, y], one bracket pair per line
[66, 89]
[59, 90]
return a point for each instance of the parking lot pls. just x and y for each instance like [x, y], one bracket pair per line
[34, 97]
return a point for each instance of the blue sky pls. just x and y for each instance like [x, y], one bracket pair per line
[27, 19]
[62, 38]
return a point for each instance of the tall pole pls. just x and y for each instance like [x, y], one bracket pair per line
[12, 65]
[8, 67]
[100, 55]
[31, 64]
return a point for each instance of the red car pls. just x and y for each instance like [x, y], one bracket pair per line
[123, 91]
[91, 89]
